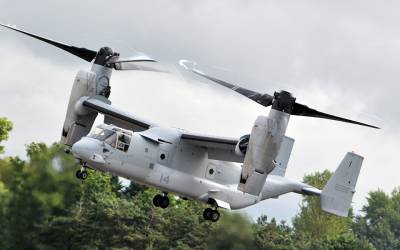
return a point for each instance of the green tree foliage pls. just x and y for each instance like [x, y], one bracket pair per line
[5, 194]
[312, 222]
[271, 235]
[340, 242]
[4, 201]
[5, 128]
[40, 188]
[380, 223]
[101, 218]
[233, 232]
[316, 229]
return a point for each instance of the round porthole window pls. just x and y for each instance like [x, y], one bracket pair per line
[211, 171]
[162, 156]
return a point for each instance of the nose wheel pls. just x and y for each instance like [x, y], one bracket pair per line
[82, 173]
[161, 201]
[211, 214]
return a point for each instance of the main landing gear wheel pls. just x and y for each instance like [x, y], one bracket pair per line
[81, 174]
[161, 201]
[211, 214]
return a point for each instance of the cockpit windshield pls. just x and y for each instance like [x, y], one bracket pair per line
[116, 138]
[101, 134]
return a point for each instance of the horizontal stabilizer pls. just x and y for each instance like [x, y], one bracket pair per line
[337, 195]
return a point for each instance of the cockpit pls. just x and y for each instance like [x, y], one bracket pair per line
[115, 137]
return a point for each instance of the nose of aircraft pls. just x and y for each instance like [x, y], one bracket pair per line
[85, 148]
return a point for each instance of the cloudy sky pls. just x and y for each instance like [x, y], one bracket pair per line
[340, 57]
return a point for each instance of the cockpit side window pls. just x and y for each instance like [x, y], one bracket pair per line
[114, 137]
[124, 141]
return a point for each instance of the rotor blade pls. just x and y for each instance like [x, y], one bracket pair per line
[130, 65]
[263, 99]
[303, 110]
[85, 54]
[141, 58]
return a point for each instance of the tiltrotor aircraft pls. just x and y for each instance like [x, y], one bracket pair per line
[191, 165]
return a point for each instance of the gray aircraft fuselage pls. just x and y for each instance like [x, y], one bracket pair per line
[178, 167]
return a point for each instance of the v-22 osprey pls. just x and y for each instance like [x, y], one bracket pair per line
[191, 165]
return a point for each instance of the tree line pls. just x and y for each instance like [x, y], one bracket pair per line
[44, 206]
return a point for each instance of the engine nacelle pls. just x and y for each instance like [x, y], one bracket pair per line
[263, 147]
[77, 123]
[241, 146]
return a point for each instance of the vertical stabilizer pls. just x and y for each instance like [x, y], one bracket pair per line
[282, 160]
[337, 194]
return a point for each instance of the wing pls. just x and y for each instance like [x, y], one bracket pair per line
[115, 116]
[223, 149]
[218, 148]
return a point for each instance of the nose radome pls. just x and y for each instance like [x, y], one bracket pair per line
[78, 149]
[84, 148]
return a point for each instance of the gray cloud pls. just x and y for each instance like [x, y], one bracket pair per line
[340, 57]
